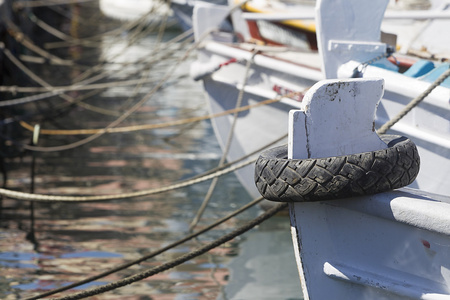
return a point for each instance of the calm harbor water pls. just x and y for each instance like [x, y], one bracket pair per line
[74, 240]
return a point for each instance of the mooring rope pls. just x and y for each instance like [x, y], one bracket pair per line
[179, 260]
[117, 32]
[132, 37]
[15, 32]
[199, 251]
[149, 255]
[361, 67]
[82, 85]
[21, 38]
[68, 88]
[61, 89]
[218, 171]
[125, 115]
[40, 81]
[59, 34]
[55, 198]
[83, 78]
[213, 183]
[87, 41]
[21, 4]
[413, 103]
[148, 126]
[132, 109]
[43, 83]
[22, 67]
[88, 20]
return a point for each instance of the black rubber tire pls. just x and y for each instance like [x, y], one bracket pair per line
[298, 180]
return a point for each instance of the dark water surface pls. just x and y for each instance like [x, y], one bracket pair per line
[74, 240]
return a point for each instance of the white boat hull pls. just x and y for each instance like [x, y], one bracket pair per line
[392, 245]
[386, 246]
[428, 125]
[248, 134]
[258, 126]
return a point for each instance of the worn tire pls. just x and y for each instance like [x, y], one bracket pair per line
[297, 180]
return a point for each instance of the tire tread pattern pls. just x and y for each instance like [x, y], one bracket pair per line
[298, 180]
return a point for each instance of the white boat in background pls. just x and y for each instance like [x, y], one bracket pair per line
[133, 10]
[389, 245]
[403, 24]
[183, 9]
[277, 70]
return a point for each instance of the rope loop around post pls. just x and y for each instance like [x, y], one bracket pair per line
[359, 70]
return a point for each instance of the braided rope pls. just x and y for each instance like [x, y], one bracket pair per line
[22, 67]
[204, 249]
[128, 26]
[82, 85]
[21, 38]
[43, 83]
[362, 66]
[81, 79]
[68, 88]
[179, 260]
[218, 171]
[123, 116]
[149, 255]
[52, 198]
[60, 89]
[413, 103]
[71, 100]
[147, 126]
[57, 33]
[117, 121]
[214, 182]
[135, 31]
[21, 4]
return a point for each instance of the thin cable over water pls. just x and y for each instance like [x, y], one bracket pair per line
[213, 184]
[149, 255]
[179, 260]
[218, 171]
[128, 112]
[56, 198]
[148, 126]
[413, 103]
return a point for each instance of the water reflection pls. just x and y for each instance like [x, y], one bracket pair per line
[78, 240]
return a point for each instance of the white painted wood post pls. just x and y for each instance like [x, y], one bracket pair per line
[348, 30]
[337, 119]
[391, 245]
